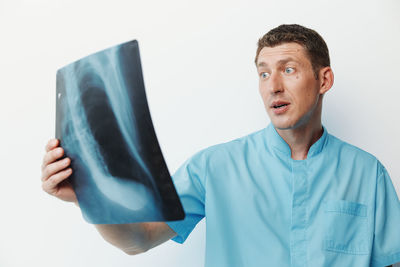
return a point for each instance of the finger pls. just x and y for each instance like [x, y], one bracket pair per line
[51, 185]
[54, 168]
[52, 156]
[52, 143]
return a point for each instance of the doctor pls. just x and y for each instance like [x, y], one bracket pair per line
[290, 194]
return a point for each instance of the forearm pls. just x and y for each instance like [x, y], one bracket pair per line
[131, 238]
[136, 238]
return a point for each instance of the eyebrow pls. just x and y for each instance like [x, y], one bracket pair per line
[280, 62]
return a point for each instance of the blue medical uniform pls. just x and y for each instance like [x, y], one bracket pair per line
[338, 207]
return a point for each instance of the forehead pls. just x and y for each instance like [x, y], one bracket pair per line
[293, 51]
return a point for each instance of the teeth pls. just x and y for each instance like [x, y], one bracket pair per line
[280, 106]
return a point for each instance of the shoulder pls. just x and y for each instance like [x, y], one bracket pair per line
[240, 144]
[348, 152]
[229, 151]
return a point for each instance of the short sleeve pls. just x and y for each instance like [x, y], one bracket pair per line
[189, 181]
[386, 244]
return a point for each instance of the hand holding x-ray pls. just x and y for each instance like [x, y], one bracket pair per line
[55, 171]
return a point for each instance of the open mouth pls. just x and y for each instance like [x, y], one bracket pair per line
[279, 106]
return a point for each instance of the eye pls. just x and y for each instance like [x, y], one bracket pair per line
[264, 75]
[289, 70]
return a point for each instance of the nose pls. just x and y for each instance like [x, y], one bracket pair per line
[274, 83]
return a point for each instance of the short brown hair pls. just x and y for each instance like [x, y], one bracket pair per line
[314, 45]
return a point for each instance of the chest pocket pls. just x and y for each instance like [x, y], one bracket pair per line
[346, 227]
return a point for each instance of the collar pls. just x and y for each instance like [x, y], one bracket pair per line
[275, 141]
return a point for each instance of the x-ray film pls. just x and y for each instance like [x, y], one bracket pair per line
[104, 124]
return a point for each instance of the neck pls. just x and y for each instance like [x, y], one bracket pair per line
[301, 138]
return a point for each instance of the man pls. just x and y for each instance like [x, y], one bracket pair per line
[288, 195]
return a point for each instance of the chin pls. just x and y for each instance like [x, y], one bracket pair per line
[283, 124]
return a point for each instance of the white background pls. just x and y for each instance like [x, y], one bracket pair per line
[201, 85]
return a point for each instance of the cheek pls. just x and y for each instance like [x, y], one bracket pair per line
[300, 93]
[264, 96]
[260, 86]
[262, 90]
[306, 97]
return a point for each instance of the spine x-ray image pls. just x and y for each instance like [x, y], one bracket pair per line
[104, 124]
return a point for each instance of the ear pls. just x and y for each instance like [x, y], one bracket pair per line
[325, 79]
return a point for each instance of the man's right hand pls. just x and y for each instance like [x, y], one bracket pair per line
[55, 172]
[132, 238]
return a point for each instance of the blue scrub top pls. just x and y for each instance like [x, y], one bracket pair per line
[338, 207]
